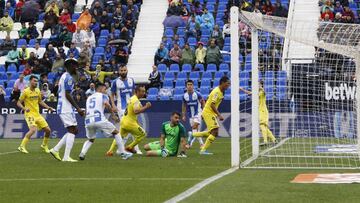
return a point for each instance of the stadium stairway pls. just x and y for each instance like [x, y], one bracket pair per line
[301, 11]
[147, 39]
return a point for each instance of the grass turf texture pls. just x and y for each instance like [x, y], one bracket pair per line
[143, 179]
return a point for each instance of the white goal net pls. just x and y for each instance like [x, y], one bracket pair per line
[310, 107]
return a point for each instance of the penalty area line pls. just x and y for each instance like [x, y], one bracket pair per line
[200, 186]
[12, 152]
[98, 179]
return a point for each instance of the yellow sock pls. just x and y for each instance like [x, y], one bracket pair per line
[113, 146]
[201, 134]
[24, 142]
[208, 142]
[136, 141]
[45, 141]
[264, 132]
[270, 135]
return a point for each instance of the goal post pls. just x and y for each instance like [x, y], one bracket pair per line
[311, 104]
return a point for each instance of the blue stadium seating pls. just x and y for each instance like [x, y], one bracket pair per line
[210, 7]
[227, 41]
[21, 42]
[181, 32]
[99, 51]
[194, 76]
[211, 68]
[281, 92]
[2, 83]
[224, 67]
[226, 48]
[218, 75]
[169, 32]
[41, 17]
[2, 69]
[186, 68]
[200, 66]
[204, 91]
[206, 83]
[216, 82]
[14, 76]
[151, 97]
[162, 68]
[169, 76]
[204, 40]
[32, 43]
[205, 33]
[44, 42]
[226, 58]
[12, 68]
[153, 91]
[164, 98]
[174, 68]
[8, 90]
[243, 96]
[182, 75]
[178, 91]
[221, 8]
[21, 68]
[75, 17]
[104, 33]
[177, 97]
[180, 83]
[207, 75]
[3, 76]
[192, 41]
[102, 42]
[11, 83]
[168, 83]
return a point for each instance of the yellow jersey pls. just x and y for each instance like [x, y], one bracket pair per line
[216, 96]
[262, 100]
[31, 100]
[129, 115]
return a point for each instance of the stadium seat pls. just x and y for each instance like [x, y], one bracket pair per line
[47, 34]
[17, 26]
[102, 42]
[227, 58]
[243, 96]
[164, 98]
[221, 8]
[182, 75]
[224, 67]
[151, 97]
[282, 74]
[96, 59]
[181, 32]
[205, 33]
[174, 68]
[99, 51]
[178, 97]
[2, 69]
[247, 67]
[21, 42]
[205, 83]
[169, 76]
[2, 83]
[194, 76]
[3, 34]
[39, 25]
[162, 68]
[281, 92]
[21, 68]
[281, 82]
[269, 74]
[211, 68]
[227, 41]
[14, 76]
[186, 68]
[44, 42]
[180, 83]
[226, 48]
[32, 43]
[168, 83]
[12, 68]
[269, 92]
[153, 91]
[10, 83]
[3, 76]
[216, 83]
[169, 32]
[206, 75]
[104, 33]
[179, 91]
[204, 40]
[192, 41]
[8, 90]
[200, 67]
[218, 75]
[204, 91]
[41, 17]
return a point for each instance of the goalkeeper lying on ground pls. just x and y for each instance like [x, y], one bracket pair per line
[173, 134]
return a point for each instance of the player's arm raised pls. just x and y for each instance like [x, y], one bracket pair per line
[138, 109]
[244, 90]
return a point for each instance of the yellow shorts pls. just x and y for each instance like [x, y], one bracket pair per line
[264, 118]
[37, 121]
[133, 128]
[211, 121]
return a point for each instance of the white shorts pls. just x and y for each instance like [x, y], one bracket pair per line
[195, 119]
[103, 126]
[68, 119]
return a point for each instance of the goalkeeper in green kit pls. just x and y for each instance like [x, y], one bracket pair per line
[173, 135]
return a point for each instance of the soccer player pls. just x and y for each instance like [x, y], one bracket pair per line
[65, 109]
[31, 98]
[122, 88]
[95, 121]
[263, 114]
[192, 105]
[211, 115]
[173, 134]
[129, 122]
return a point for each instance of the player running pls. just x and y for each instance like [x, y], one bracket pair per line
[192, 105]
[122, 88]
[263, 114]
[173, 134]
[95, 121]
[65, 109]
[211, 115]
[31, 98]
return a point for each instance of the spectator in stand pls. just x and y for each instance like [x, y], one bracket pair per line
[83, 59]
[91, 90]
[20, 84]
[175, 54]
[108, 54]
[95, 27]
[338, 18]
[6, 23]
[32, 32]
[213, 54]
[117, 25]
[338, 8]
[161, 55]
[18, 9]
[105, 21]
[78, 91]
[280, 10]
[206, 20]
[73, 50]
[78, 38]
[192, 28]
[53, 7]
[6, 46]
[50, 52]
[129, 20]
[185, 13]
[348, 15]
[188, 55]
[154, 78]
[176, 40]
[121, 55]
[267, 8]
[32, 58]
[52, 98]
[50, 20]
[196, 8]
[64, 17]
[46, 63]
[24, 54]
[217, 35]
[12, 58]
[71, 27]
[166, 42]
[2, 95]
[174, 10]
[96, 10]
[65, 37]
[23, 31]
[118, 15]
[45, 91]
[58, 64]
[328, 15]
[27, 70]
[10, 10]
[84, 20]
[90, 36]
[226, 29]
[327, 5]
[38, 68]
[30, 11]
[99, 73]
[113, 65]
[83, 82]
[124, 35]
[39, 51]
[87, 49]
[200, 54]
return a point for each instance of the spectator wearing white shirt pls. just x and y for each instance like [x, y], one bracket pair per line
[90, 36]
[91, 90]
[78, 38]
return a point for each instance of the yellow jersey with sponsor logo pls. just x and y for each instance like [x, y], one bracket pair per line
[31, 99]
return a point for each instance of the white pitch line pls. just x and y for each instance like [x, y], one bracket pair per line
[199, 186]
[12, 152]
[98, 179]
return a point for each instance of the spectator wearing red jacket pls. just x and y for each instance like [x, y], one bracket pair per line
[71, 27]
[329, 13]
[64, 17]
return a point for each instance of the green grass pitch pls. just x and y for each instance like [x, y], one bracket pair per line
[37, 177]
